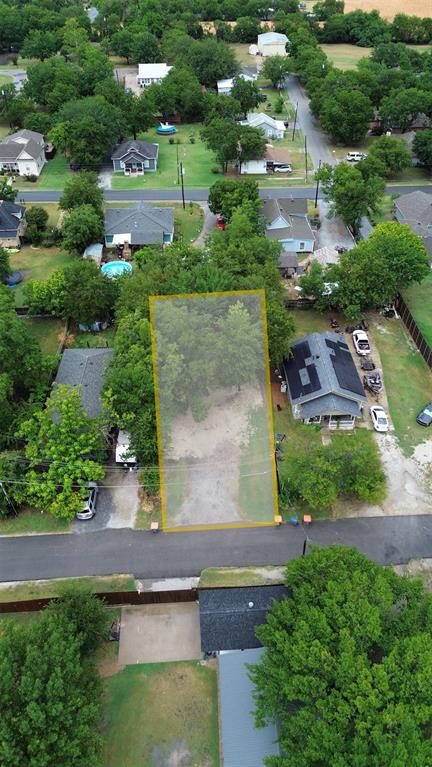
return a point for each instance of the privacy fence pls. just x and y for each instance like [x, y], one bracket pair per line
[413, 329]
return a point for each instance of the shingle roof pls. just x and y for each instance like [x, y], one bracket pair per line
[416, 206]
[321, 364]
[243, 745]
[226, 619]
[273, 207]
[28, 135]
[149, 151]
[24, 140]
[288, 260]
[85, 368]
[145, 223]
[10, 216]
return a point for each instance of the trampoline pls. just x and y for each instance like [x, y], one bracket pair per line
[165, 129]
[13, 279]
[115, 269]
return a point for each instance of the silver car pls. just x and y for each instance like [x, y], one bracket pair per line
[89, 504]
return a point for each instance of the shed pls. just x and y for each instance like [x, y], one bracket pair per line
[94, 252]
[243, 745]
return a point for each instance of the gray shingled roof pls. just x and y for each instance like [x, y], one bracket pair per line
[85, 368]
[227, 621]
[293, 211]
[416, 206]
[288, 261]
[146, 224]
[11, 148]
[314, 371]
[330, 404]
[141, 148]
[29, 135]
[273, 207]
[10, 217]
[243, 745]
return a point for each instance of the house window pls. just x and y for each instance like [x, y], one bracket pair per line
[167, 238]
[314, 419]
[302, 246]
[109, 238]
[146, 164]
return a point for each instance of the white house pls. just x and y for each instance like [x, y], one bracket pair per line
[274, 156]
[224, 87]
[23, 153]
[268, 125]
[272, 44]
[151, 73]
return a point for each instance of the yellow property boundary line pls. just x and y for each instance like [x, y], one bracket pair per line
[222, 293]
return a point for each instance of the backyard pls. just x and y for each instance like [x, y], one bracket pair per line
[161, 714]
[419, 300]
[49, 332]
[37, 264]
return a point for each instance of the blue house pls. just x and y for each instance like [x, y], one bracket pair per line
[287, 222]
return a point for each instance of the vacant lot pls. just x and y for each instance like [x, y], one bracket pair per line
[419, 300]
[37, 264]
[162, 715]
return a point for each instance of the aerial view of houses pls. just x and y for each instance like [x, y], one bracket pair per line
[215, 384]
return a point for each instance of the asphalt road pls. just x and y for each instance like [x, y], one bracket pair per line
[199, 195]
[317, 144]
[389, 540]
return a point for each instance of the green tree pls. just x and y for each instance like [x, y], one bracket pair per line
[5, 268]
[238, 330]
[40, 44]
[228, 194]
[247, 93]
[422, 147]
[46, 296]
[392, 152]
[246, 30]
[89, 296]
[140, 111]
[39, 122]
[251, 144]
[7, 191]
[37, 217]
[81, 227]
[400, 110]
[350, 196]
[276, 69]
[346, 116]
[144, 47]
[53, 82]
[352, 638]
[82, 189]
[74, 37]
[211, 60]
[67, 442]
[17, 109]
[180, 93]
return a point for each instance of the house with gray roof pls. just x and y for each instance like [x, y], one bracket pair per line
[322, 381]
[12, 223]
[23, 153]
[415, 209]
[141, 224]
[85, 368]
[229, 616]
[135, 158]
[287, 222]
[243, 744]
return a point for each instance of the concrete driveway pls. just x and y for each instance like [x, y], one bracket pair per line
[160, 633]
[208, 226]
[332, 230]
[117, 503]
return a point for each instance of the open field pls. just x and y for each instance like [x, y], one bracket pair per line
[407, 379]
[419, 300]
[389, 8]
[346, 56]
[54, 175]
[162, 714]
[48, 332]
[37, 264]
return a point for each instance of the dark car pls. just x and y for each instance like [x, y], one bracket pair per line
[424, 418]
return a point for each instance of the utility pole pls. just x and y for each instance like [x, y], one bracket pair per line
[295, 122]
[317, 186]
[8, 499]
[182, 184]
[306, 165]
[178, 167]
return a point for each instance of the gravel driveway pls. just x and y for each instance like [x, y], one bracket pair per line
[117, 503]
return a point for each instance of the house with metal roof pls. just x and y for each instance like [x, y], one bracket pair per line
[224, 87]
[229, 616]
[287, 222]
[272, 44]
[141, 224]
[243, 744]
[134, 158]
[415, 209]
[12, 223]
[148, 74]
[85, 368]
[322, 381]
[23, 153]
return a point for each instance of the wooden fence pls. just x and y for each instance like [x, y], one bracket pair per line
[413, 329]
[110, 598]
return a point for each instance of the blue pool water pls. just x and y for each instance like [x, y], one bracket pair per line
[114, 269]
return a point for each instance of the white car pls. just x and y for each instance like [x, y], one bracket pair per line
[361, 342]
[355, 156]
[283, 169]
[123, 454]
[89, 504]
[380, 421]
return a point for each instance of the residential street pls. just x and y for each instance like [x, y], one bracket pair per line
[317, 143]
[389, 540]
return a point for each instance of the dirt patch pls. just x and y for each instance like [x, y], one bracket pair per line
[110, 668]
[389, 8]
[160, 633]
[176, 755]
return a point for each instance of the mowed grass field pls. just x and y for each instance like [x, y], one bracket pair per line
[419, 300]
[161, 714]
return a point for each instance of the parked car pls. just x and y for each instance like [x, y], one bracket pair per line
[373, 382]
[283, 168]
[367, 364]
[424, 418]
[123, 455]
[220, 222]
[361, 342]
[355, 156]
[380, 421]
[89, 504]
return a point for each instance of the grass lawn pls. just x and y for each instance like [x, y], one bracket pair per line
[48, 332]
[30, 521]
[105, 338]
[154, 712]
[37, 264]
[188, 223]
[175, 476]
[5, 78]
[214, 577]
[385, 211]
[196, 158]
[256, 493]
[51, 208]
[407, 379]
[241, 52]
[419, 300]
[24, 590]
[345, 56]
[54, 175]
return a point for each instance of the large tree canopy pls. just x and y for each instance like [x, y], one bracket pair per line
[347, 665]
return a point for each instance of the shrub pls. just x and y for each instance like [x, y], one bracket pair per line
[33, 234]
[215, 169]
[32, 178]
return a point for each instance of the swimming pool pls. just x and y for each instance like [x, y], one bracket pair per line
[115, 269]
